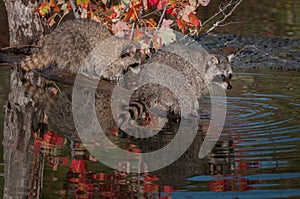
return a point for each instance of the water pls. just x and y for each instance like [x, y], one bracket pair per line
[257, 155]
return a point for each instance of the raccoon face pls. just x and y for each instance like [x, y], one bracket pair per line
[220, 71]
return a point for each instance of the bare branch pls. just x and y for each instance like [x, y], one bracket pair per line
[231, 22]
[222, 11]
[132, 32]
[159, 24]
[76, 15]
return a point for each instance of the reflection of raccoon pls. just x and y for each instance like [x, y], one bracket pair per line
[86, 47]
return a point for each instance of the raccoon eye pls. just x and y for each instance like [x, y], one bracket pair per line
[230, 76]
[223, 77]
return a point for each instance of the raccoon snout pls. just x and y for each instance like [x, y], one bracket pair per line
[229, 86]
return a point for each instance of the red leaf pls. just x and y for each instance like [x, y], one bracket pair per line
[194, 20]
[52, 3]
[162, 4]
[152, 3]
[181, 24]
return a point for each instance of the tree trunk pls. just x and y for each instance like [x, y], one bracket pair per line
[21, 179]
[24, 25]
[23, 169]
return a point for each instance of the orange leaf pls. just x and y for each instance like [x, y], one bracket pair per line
[194, 20]
[52, 3]
[181, 24]
[44, 9]
[69, 7]
[56, 9]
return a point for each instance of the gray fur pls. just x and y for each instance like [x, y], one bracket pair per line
[85, 47]
[194, 63]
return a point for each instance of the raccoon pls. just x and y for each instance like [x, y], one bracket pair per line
[84, 47]
[198, 67]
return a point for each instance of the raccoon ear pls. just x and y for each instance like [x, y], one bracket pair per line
[213, 60]
[131, 50]
[230, 57]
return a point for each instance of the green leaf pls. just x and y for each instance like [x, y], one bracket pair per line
[166, 35]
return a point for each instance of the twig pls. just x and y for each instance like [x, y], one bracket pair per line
[160, 20]
[236, 4]
[76, 15]
[230, 23]
[132, 32]
[216, 14]
[19, 47]
[158, 25]
[58, 23]
[150, 13]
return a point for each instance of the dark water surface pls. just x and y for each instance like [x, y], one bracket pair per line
[257, 155]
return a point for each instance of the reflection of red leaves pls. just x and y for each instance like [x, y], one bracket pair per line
[77, 166]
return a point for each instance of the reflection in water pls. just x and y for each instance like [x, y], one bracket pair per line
[256, 156]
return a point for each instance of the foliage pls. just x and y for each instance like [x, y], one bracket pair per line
[151, 20]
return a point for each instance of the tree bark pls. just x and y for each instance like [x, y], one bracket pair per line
[23, 168]
[24, 25]
[21, 181]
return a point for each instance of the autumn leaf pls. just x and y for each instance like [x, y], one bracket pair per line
[181, 25]
[193, 3]
[145, 4]
[162, 3]
[44, 9]
[84, 14]
[52, 3]
[83, 3]
[152, 3]
[56, 9]
[170, 11]
[194, 20]
[151, 23]
[119, 28]
[69, 7]
[138, 35]
[166, 23]
[110, 14]
[166, 35]
[187, 10]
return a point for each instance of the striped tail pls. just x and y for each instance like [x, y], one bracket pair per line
[35, 61]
